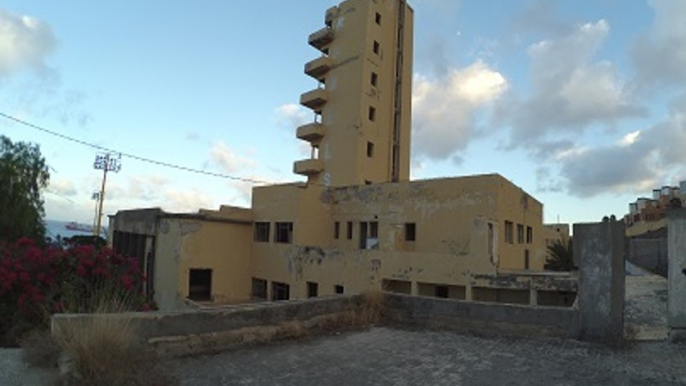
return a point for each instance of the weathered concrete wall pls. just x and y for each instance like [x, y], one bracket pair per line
[459, 232]
[214, 329]
[650, 254]
[487, 317]
[599, 251]
[676, 302]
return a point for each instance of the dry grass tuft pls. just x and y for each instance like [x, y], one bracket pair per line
[103, 351]
[40, 349]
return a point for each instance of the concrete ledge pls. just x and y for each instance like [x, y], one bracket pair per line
[487, 317]
[211, 330]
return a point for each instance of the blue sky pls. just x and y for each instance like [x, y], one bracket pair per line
[581, 103]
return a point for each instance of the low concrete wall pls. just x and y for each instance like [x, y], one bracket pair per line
[649, 253]
[212, 330]
[486, 317]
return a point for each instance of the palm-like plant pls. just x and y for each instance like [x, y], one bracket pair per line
[560, 256]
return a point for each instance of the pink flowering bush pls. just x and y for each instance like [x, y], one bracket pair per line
[37, 282]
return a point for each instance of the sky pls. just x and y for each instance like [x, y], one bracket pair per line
[580, 103]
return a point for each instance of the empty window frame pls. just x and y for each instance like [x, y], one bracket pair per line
[280, 291]
[509, 232]
[312, 289]
[376, 48]
[200, 284]
[370, 149]
[350, 230]
[377, 18]
[529, 235]
[372, 113]
[526, 259]
[338, 289]
[336, 230]
[369, 235]
[441, 291]
[284, 232]
[520, 234]
[410, 231]
[374, 79]
[259, 289]
[262, 232]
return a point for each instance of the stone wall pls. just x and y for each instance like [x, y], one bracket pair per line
[479, 317]
[216, 329]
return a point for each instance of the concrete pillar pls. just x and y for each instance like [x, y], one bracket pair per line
[468, 292]
[599, 254]
[533, 297]
[414, 288]
[676, 277]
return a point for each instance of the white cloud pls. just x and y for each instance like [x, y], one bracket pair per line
[570, 91]
[660, 54]
[62, 187]
[186, 201]
[445, 109]
[25, 42]
[290, 116]
[229, 160]
[638, 162]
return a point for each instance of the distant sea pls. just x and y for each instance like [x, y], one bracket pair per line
[54, 228]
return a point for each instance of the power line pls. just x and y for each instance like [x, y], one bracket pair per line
[132, 156]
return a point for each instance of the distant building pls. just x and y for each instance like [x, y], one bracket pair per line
[556, 233]
[650, 214]
[358, 223]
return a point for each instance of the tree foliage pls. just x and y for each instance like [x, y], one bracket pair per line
[560, 256]
[23, 175]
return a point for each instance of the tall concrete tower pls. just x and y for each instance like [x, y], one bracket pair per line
[362, 106]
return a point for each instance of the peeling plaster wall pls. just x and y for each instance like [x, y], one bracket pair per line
[517, 206]
[185, 244]
[452, 218]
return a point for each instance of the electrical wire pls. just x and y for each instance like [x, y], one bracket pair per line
[129, 155]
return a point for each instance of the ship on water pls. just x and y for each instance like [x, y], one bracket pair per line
[76, 227]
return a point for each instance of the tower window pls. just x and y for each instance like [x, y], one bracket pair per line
[377, 47]
[410, 231]
[372, 113]
[377, 18]
[350, 230]
[375, 79]
[261, 232]
[284, 232]
[370, 149]
[336, 229]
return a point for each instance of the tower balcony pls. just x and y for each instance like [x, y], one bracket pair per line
[321, 38]
[312, 132]
[319, 67]
[331, 13]
[308, 167]
[315, 99]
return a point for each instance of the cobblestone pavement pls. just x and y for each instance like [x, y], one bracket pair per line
[384, 356]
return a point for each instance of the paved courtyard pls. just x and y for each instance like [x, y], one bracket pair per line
[384, 356]
[387, 356]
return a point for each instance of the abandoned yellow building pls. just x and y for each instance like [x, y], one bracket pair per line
[358, 222]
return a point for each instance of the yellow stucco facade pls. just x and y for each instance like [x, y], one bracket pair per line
[358, 223]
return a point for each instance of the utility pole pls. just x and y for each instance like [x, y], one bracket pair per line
[95, 197]
[107, 163]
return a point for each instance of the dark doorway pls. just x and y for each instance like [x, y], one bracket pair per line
[200, 284]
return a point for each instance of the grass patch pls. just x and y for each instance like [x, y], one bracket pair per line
[103, 350]
[40, 349]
